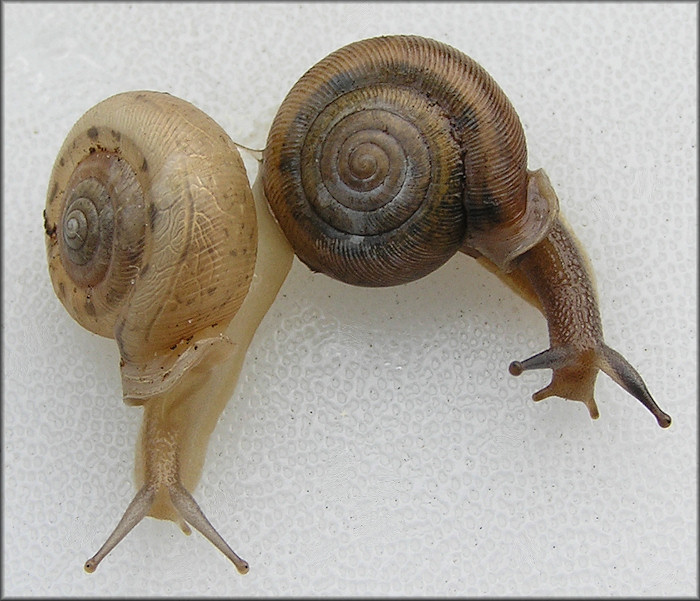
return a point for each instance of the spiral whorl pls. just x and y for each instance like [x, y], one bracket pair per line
[377, 149]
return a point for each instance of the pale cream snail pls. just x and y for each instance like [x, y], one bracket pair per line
[152, 239]
[393, 153]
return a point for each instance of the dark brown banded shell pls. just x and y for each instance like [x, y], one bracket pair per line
[377, 150]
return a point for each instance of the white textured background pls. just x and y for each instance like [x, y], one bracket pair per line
[376, 443]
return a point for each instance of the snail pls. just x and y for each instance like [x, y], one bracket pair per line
[154, 238]
[392, 154]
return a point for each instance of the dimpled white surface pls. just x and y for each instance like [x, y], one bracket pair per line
[376, 443]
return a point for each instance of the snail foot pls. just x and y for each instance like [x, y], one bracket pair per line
[575, 371]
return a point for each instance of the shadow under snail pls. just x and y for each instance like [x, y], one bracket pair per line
[385, 159]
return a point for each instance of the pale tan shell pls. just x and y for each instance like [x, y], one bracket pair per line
[173, 255]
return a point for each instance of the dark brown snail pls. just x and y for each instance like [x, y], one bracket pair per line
[393, 153]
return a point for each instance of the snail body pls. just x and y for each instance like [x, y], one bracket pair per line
[152, 237]
[392, 154]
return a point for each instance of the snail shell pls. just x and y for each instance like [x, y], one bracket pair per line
[389, 154]
[393, 153]
[152, 233]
